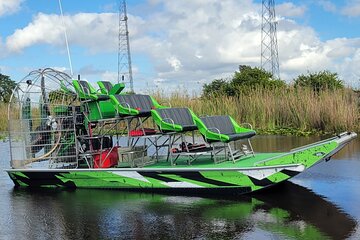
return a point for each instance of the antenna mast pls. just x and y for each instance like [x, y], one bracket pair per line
[124, 57]
[269, 46]
[66, 38]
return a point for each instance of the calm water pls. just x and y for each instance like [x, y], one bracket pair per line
[330, 210]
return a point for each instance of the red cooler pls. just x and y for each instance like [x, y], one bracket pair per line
[107, 158]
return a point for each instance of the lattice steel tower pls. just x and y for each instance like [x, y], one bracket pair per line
[124, 57]
[269, 46]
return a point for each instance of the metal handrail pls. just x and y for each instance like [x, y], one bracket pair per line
[218, 131]
[128, 105]
[250, 126]
[173, 124]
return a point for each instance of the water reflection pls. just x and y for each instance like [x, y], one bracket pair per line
[289, 211]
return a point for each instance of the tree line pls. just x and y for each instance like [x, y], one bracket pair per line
[243, 80]
[6, 87]
[248, 78]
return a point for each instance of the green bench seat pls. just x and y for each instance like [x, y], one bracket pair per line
[222, 129]
[174, 119]
[138, 105]
[108, 88]
[98, 105]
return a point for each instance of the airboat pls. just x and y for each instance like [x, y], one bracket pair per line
[67, 133]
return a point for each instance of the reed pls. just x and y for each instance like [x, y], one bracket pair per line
[3, 117]
[284, 111]
[281, 111]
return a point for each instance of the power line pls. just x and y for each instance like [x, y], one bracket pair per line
[269, 46]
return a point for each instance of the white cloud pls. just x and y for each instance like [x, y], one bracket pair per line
[341, 47]
[110, 76]
[229, 35]
[349, 68]
[97, 32]
[327, 5]
[174, 63]
[352, 8]
[189, 43]
[288, 9]
[4, 69]
[214, 38]
[2, 48]
[8, 7]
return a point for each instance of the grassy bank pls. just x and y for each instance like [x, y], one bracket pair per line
[283, 111]
[3, 121]
[3, 118]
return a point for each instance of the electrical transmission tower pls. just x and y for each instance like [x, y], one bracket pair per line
[124, 57]
[269, 47]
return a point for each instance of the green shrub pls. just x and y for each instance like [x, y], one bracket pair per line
[6, 87]
[251, 78]
[319, 81]
[245, 79]
[218, 87]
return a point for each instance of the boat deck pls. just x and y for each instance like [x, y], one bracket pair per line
[205, 161]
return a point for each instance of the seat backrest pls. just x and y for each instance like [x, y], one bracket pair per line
[180, 116]
[223, 123]
[86, 88]
[106, 87]
[83, 89]
[136, 101]
[66, 88]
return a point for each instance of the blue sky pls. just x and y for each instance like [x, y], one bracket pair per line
[178, 44]
[328, 23]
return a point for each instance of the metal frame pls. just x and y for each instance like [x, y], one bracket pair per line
[269, 46]
[56, 128]
[234, 155]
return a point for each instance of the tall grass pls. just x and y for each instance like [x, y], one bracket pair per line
[3, 117]
[300, 111]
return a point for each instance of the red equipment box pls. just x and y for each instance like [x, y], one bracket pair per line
[140, 132]
[107, 158]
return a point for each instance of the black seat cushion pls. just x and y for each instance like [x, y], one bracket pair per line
[108, 85]
[222, 123]
[189, 128]
[85, 86]
[180, 116]
[238, 136]
[86, 89]
[142, 103]
[102, 97]
[225, 126]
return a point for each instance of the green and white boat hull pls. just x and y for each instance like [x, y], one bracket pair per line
[244, 176]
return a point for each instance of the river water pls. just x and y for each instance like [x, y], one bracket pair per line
[322, 203]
